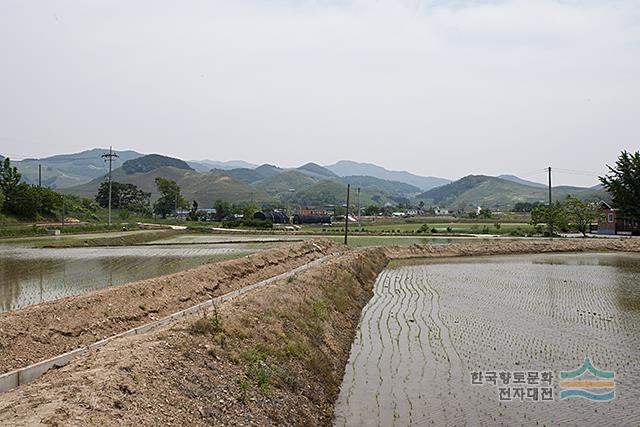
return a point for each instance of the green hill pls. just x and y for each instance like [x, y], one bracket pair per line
[317, 171]
[350, 168]
[329, 192]
[68, 170]
[267, 170]
[152, 161]
[242, 174]
[283, 182]
[492, 192]
[392, 188]
[205, 187]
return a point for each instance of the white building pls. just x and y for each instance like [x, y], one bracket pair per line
[440, 211]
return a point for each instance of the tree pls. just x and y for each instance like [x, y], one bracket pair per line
[193, 213]
[580, 214]
[170, 198]
[249, 210]
[371, 210]
[9, 176]
[223, 210]
[9, 180]
[525, 206]
[31, 201]
[123, 196]
[485, 213]
[1, 198]
[623, 183]
[553, 216]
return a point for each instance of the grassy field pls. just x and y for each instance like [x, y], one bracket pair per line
[118, 238]
[401, 227]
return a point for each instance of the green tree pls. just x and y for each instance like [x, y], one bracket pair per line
[623, 183]
[554, 216]
[193, 213]
[170, 197]
[580, 214]
[1, 199]
[249, 210]
[525, 206]
[223, 210]
[371, 210]
[31, 202]
[485, 213]
[123, 196]
[9, 180]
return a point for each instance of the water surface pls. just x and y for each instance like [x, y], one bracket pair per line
[431, 323]
[30, 276]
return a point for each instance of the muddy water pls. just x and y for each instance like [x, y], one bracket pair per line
[431, 323]
[31, 276]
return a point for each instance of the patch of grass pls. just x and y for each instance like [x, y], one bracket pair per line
[259, 368]
[207, 325]
[244, 390]
[320, 309]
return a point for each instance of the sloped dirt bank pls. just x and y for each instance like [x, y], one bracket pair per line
[275, 356]
[516, 247]
[45, 330]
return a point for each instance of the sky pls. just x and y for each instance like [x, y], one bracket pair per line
[436, 87]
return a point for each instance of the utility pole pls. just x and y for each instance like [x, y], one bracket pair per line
[40, 186]
[346, 216]
[549, 186]
[359, 225]
[109, 158]
[550, 221]
[175, 214]
[63, 214]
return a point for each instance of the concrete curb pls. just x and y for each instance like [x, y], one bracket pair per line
[18, 377]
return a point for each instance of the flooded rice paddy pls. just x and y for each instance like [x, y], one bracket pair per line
[357, 240]
[30, 276]
[224, 238]
[354, 240]
[430, 324]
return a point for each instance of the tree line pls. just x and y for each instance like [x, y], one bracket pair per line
[31, 202]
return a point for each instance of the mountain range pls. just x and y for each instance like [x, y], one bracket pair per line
[310, 184]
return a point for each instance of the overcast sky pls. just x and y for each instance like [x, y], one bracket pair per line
[436, 87]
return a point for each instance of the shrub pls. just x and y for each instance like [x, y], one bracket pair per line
[248, 222]
[207, 325]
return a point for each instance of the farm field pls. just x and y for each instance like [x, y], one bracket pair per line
[441, 227]
[222, 238]
[31, 276]
[431, 323]
[364, 240]
[354, 239]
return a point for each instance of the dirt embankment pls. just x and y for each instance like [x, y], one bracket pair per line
[39, 332]
[515, 247]
[119, 239]
[275, 356]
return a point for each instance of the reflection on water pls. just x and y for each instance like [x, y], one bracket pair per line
[432, 322]
[32, 276]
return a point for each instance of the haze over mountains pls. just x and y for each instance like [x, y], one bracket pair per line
[310, 184]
